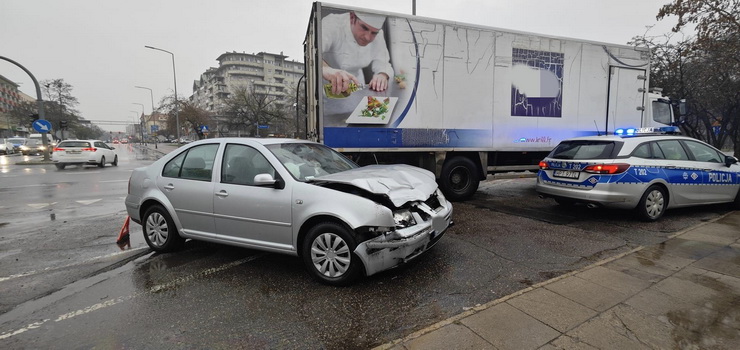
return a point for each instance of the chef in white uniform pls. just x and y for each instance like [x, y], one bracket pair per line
[350, 42]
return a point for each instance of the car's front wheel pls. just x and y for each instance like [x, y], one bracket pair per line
[60, 166]
[160, 232]
[653, 203]
[115, 161]
[327, 254]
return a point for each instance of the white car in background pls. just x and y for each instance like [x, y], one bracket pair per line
[84, 152]
[6, 147]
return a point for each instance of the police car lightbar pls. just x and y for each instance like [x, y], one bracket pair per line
[647, 131]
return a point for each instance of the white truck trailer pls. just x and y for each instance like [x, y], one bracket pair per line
[464, 100]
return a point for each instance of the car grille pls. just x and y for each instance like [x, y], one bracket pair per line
[433, 202]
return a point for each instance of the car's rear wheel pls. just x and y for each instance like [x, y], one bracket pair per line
[102, 162]
[653, 203]
[115, 161]
[327, 254]
[60, 166]
[160, 232]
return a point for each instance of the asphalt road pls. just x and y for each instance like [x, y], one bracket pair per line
[65, 283]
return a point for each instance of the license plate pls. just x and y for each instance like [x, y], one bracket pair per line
[566, 174]
[74, 152]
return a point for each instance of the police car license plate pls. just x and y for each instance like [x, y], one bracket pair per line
[566, 174]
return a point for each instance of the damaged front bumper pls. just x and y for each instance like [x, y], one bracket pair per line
[401, 245]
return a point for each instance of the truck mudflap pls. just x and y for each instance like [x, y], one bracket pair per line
[388, 251]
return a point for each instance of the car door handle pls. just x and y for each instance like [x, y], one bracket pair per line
[169, 187]
[222, 193]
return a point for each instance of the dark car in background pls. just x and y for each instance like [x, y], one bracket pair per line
[33, 147]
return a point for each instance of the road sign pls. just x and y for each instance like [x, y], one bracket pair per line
[155, 128]
[204, 128]
[263, 126]
[42, 125]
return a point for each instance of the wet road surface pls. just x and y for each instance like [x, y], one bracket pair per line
[211, 296]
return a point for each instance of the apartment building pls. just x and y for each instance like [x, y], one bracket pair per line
[10, 97]
[266, 73]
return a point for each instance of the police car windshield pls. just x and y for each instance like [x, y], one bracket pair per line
[583, 149]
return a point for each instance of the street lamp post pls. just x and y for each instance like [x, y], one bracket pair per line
[177, 115]
[141, 127]
[142, 121]
[154, 120]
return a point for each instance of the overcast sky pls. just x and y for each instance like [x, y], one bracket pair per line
[97, 46]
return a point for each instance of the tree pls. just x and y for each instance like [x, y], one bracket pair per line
[247, 108]
[193, 118]
[59, 103]
[705, 69]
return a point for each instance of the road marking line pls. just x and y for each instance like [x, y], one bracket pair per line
[40, 205]
[111, 302]
[51, 268]
[89, 201]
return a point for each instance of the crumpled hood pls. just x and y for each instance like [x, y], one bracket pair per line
[399, 182]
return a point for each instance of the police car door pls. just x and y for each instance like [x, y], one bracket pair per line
[717, 178]
[683, 175]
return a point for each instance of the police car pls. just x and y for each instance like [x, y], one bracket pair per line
[648, 170]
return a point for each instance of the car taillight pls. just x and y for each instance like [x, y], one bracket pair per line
[57, 149]
[91, 149]
[544, 165]
[607, 168]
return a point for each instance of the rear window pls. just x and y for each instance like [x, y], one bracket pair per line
[82, 144]
[584, 149]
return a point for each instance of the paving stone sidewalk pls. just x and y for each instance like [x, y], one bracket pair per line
[683, 293]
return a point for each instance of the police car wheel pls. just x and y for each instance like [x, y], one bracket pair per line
[653, 203]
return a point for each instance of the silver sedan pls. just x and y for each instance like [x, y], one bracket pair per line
[293, 197]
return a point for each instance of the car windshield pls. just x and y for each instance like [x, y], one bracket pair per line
[307, 160]
[17, 141]
[583, 149]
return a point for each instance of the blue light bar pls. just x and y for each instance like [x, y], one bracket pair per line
[646, 131]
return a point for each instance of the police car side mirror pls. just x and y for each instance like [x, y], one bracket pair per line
[730, 160]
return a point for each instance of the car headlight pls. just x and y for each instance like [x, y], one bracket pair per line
[403, 218]
[24, 148]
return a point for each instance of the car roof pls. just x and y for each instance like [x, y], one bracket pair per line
[260, 140]
[631, 139]
[82, 140]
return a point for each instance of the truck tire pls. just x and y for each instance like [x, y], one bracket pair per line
[459, 179]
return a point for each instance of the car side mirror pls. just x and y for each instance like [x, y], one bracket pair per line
[266, 180]
[730, 160]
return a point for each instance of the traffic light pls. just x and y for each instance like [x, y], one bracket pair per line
[34, 117]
